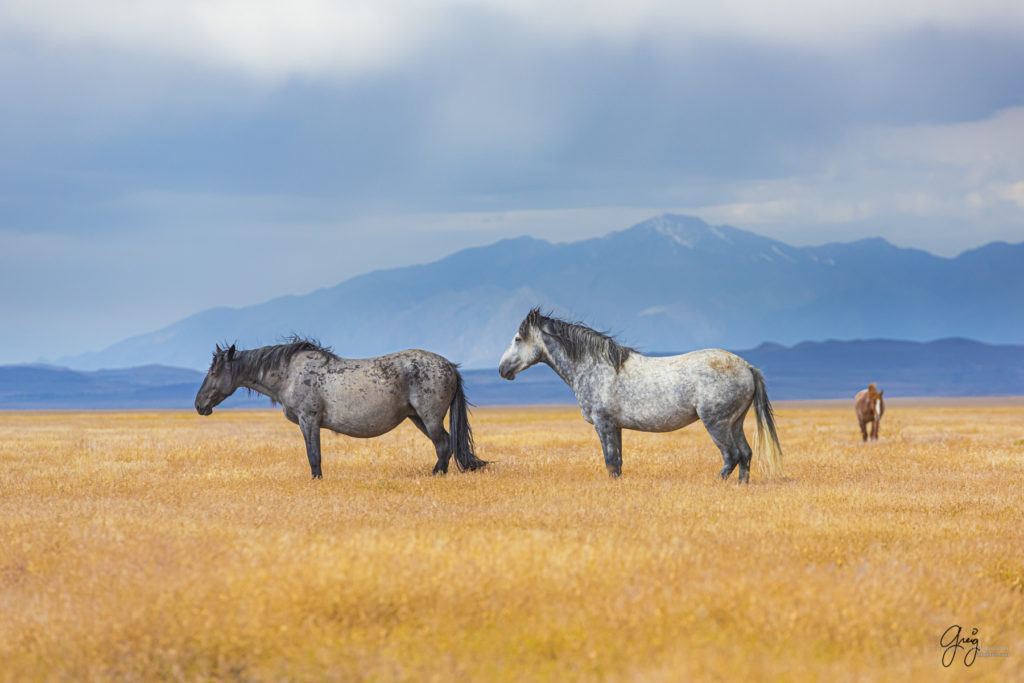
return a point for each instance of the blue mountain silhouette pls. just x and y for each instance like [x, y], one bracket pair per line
[669, 283]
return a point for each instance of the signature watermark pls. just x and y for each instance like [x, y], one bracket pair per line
[958, 645]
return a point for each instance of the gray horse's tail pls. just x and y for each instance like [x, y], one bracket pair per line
[461, 432]
[769, 459]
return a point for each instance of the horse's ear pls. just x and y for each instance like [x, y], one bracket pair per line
[231, 352]
[217, 348]
[529, 321]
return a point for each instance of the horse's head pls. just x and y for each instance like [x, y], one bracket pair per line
[875, 399]
[219, 382]
[526, 349]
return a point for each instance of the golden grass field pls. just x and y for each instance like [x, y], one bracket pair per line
[164, 545]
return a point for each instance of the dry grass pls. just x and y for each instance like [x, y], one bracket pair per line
[169, 546]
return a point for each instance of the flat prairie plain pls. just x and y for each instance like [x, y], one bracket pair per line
[164, 545]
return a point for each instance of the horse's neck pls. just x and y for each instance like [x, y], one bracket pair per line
[269, 382]
[573, 373]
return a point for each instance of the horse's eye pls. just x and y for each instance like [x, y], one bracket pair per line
[518, 339]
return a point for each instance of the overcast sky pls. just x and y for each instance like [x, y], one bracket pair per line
[159, 158]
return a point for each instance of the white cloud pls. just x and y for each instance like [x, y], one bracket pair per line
[949, 187]
[273, 39]
[1013, 192]
[990, 145]
[262, 38]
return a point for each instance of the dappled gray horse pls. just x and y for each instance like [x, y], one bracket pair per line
[358, 397]
[619, 388]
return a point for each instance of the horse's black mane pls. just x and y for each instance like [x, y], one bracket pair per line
[269, 357]
[258, 361]
[578, 340]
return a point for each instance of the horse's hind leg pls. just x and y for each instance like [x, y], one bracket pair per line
[739, 440]
[438, 435]
[310, 426]
[723, 438]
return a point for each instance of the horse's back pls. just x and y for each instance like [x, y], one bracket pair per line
[713, 366]
[423, 368]
[718, 378]
[369, 396]
[860, 403]
[408, 372]
[663, 393]
[429, 380]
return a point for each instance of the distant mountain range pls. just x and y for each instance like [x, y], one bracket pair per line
[46, 387]
[669, 283]
[832, 369]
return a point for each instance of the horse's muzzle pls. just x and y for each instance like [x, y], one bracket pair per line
[204, 410]
[507, 373]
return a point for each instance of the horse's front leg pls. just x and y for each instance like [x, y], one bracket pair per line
[863, 429]
[310, 427]
[611, 443]
[874, 429]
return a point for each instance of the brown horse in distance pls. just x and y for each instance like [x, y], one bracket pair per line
[870, 406]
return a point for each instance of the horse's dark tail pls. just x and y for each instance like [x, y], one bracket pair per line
[461, 433]
[769, 460]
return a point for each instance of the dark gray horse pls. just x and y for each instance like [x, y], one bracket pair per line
[619, 388]
[358, 397]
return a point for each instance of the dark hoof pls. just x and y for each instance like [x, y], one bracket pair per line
[317, 476]
[614, 474]
[439, 470]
